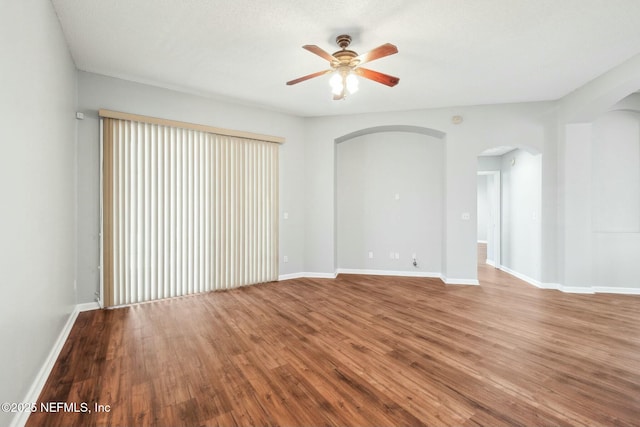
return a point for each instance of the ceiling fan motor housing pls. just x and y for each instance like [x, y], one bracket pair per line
[343, 41]
[344, 57]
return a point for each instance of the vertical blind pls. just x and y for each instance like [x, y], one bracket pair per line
[185, 211]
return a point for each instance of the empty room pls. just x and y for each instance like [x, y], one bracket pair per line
[294, 213]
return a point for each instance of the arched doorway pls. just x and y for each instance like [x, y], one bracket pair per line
[509, 214]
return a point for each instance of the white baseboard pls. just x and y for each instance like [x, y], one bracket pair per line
[482, 241]
[313, 275]
[452, 281]
[389, 273]
[309, 275]
[490, 262]
[521, 276]
[87, 306]
[20, 418]
[447, 281]
[573, 289]
[553, 286]
[576, 289]
[616, 290]
[556, 286]
[290, 276]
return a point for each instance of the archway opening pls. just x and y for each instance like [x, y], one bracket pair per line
[509, 210]
[389, 201]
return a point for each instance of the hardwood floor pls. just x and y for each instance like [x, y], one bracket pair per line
[358, 350]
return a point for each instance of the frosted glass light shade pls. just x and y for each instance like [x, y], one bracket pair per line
[352, 83]
[336, 83]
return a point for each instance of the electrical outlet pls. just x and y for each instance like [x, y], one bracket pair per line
[285, 258]
[397, 255]
[370, 255]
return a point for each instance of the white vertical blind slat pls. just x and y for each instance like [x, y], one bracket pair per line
[191, 212]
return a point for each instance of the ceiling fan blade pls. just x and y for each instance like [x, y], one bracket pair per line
[385, 79]
[308, 76]
[377, 53]
[320, 52]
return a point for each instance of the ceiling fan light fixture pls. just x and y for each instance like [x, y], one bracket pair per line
[336, 83]
[343, 79]
[352, 83]
[345, 64]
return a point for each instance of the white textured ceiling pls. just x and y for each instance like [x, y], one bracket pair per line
[451, 52]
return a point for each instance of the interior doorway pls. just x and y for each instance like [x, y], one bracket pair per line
[489, 210]
[509, 210]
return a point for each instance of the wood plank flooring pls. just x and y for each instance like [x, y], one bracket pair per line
[356, 351]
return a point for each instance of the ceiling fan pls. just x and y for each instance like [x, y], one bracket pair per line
[345, 64]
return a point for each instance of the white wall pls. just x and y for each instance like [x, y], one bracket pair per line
[373, 169]
[483, 208]
[615, 178]
[96, 91]
[615, 174]
[37, 183]
[602, 200]
[576, 207]
[489, 163]
[483, 127]
[521, 211]
[574, 130]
